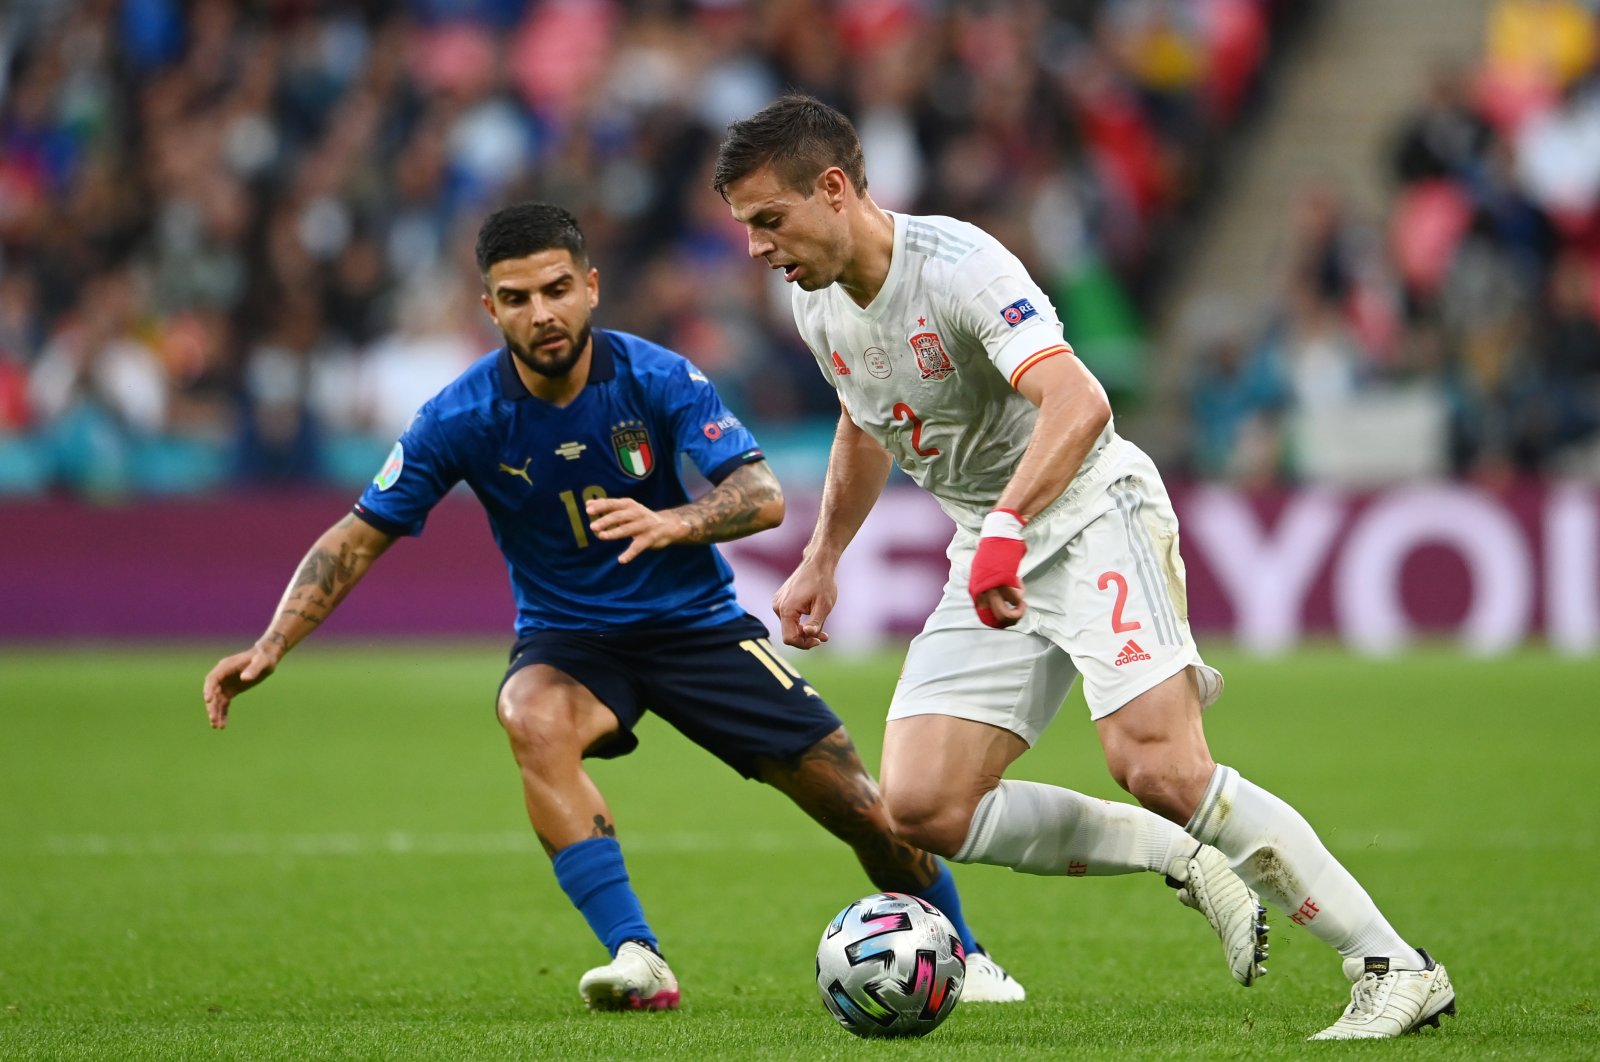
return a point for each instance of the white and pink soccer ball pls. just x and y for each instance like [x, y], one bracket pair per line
[890, 964]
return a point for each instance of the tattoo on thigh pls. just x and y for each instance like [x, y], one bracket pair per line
[830, 782]
[602, 828]
[834, 762]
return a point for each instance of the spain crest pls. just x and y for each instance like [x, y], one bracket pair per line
[630, 441]
[931, 358]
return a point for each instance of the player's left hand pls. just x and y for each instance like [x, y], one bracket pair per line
[615, 518]
[995, 585]
[235, 674]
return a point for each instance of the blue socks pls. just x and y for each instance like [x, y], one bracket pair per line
[593, 877]
[942, 894]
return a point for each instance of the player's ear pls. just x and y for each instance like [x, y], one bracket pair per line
[488, 304]
[833, 186]
[593, 282]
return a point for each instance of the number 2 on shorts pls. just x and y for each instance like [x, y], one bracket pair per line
[1118, 624]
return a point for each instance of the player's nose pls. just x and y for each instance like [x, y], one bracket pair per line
[760, 246]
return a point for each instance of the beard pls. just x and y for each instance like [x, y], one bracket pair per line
[551, 366]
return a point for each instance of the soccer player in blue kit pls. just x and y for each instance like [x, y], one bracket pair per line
[570, 436]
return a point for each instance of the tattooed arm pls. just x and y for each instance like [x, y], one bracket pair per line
[335, 563]
[747, 501]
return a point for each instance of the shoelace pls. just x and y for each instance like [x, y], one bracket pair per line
[1364, 994]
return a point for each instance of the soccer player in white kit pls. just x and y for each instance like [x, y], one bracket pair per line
[950, 361]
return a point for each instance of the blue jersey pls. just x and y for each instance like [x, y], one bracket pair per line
[533, 465]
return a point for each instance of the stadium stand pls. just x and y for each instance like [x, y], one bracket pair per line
[1449, 327]
[235, 237]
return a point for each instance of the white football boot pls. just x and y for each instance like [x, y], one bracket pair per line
[1385, 1003]
[1207, 883]
[988, 982]
[637, 979]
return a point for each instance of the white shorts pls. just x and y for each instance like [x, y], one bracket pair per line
[1106, 599]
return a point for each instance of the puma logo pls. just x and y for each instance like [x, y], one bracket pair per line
[523, 471]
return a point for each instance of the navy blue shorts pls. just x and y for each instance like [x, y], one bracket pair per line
[724, 688]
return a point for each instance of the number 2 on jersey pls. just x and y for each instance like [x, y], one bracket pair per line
[905, 412]
[1118, 624]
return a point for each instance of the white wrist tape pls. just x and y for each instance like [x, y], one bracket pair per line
[1002, 523]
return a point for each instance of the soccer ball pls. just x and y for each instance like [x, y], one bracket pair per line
[890, 965]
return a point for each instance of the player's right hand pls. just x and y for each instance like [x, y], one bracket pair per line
[231, 677]
[802, 604]
[994, 584]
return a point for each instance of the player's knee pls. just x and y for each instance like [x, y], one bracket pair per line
[1167, 787]
[928, 819]
[540, 731]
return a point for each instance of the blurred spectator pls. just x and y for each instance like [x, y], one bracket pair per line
[98, 387]
[1446, 138]
[300, 389]
[1558, 158]
[1238, 397]
[433, 343]
[1533, 50]
[1546, 40]
[19, 335]
[1563, 407]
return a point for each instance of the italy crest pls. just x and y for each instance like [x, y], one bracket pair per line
[931, 358]
[631, 443]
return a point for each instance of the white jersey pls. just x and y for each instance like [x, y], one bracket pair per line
[929, 368]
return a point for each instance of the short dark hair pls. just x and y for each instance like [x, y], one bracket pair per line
[521, 229]
[799, 136]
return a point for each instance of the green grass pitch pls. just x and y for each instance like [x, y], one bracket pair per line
[346, 871]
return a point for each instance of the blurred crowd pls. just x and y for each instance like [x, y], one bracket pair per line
[235, 235]
[1472, 310]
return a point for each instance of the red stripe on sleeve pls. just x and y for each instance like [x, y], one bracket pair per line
[1036, 357]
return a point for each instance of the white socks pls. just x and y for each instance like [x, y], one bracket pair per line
[1275, 850]
[1044, 829]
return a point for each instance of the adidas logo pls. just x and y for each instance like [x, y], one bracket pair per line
[839, 367]
[1131, 654]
